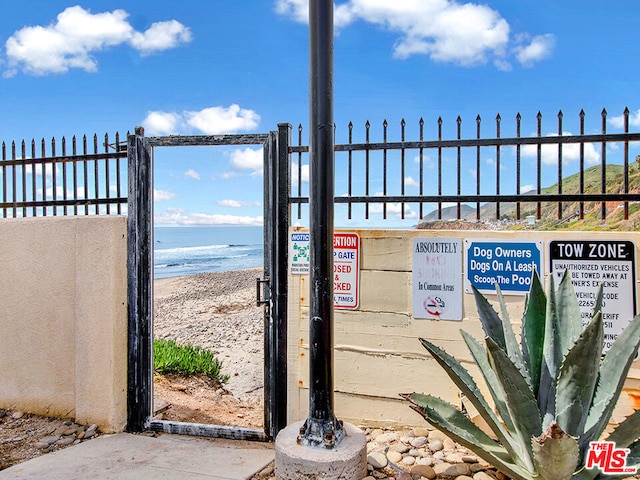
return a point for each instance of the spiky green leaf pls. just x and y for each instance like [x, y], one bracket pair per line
[479, 354]
[613, 373]
[533, 328]
[489, 319]
[467, 385]
[511, 344]
[555, 453]
[627, 432]
[568, 316]
[457, 426]
[578, 377]
[550, 361]
[519, 398]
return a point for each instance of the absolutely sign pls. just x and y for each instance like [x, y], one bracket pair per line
[437, 278]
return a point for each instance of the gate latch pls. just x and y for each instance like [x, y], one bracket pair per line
[259, 282]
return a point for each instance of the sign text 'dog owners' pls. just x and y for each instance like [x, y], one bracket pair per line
[510, 264]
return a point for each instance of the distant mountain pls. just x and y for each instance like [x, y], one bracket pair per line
[451, 213]
[549, 210]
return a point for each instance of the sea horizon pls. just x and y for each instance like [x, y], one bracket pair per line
[187, 250]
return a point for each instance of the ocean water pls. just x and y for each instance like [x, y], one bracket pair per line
[187, 250]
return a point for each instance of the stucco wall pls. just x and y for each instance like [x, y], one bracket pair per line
[63, 291]
[377, 352]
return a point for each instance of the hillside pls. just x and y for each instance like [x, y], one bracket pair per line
[549, 211]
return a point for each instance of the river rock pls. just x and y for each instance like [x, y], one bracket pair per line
[418, 441]
[457, 470]
[482, 476]
[395, 457]
[424, 470]
[377, 460]
[436, 445]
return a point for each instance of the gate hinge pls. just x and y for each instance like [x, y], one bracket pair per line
[259, 282]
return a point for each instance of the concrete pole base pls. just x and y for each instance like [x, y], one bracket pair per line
[348, 461]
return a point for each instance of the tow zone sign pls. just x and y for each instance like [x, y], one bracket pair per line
[592, 263]
[346, 266]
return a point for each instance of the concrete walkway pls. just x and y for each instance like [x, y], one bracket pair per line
[125, 456]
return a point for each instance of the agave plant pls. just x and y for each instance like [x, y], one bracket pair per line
[553, 393]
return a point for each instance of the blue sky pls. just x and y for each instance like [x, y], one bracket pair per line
[194, 67]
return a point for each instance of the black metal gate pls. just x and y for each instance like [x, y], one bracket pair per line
[271, 289]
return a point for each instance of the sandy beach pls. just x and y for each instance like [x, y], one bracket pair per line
[218, 312]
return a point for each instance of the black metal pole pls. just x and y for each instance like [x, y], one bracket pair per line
[321, 427]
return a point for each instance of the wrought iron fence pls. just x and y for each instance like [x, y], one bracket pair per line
[76, 179]
[481, 178]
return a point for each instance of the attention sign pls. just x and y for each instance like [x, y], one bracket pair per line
[346, 270]
[594, 263]
[346, 265]
[509, 264]
[437, 278]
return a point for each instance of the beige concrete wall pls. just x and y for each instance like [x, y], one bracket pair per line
[377, 352]
[63, 320]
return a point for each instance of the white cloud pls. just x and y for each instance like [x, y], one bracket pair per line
[237, 203]
[160, 36]
[299, 11]
[176, 216]
[394, 209]
[216, 120]
[530, 50]
[304, 170]
[161, 123]
[248, 159]
[634, 120]
[570, 152]
[210, 121]
[466, 34]
[160, 195]
[192, 174]
[527, 188]
[77, 35]
[37, 168]
[410, 182]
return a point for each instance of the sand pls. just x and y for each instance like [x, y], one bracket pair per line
[218, 312]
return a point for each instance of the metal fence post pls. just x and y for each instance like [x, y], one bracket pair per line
[321, 427]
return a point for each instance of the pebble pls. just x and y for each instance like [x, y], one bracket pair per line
[436, 445]
[395, 457]
[17, 415]
[399, 447]
[377, 460]
[422, 454]
[421, 432]
[418, 441]
[482, 476]
[424, 470]
[50, 439]
[91, 431]
[385, 438]
[409, 460]
[456, 470]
